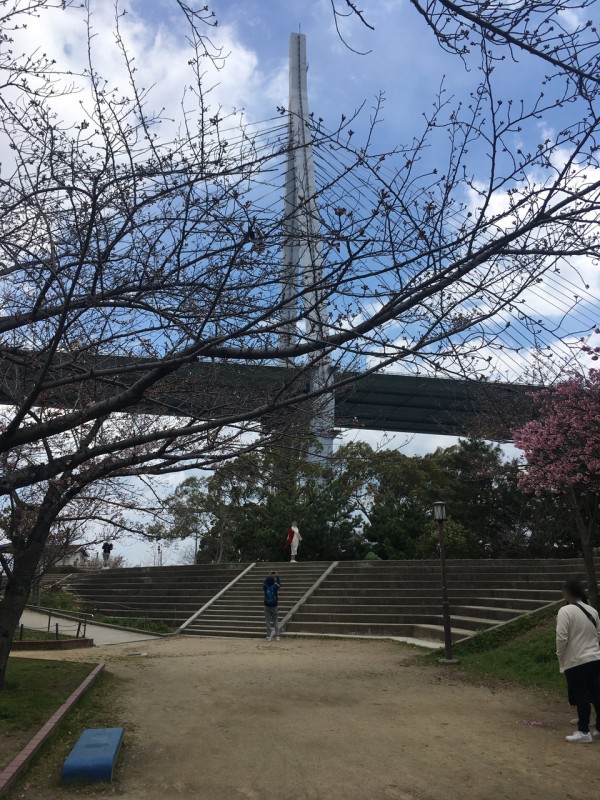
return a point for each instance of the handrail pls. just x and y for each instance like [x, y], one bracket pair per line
[307, 594]
[60, 612]
[216, 597]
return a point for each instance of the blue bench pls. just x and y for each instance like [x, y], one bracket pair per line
[93, 758]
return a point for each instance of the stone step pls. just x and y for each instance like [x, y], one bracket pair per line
[433, 585]
[463, 575]
[224, 624]
[463, 562]
[419, 631]
[352, 601]
[257, 591]
[225, 632]
[128, 602]
[234, 624]
[308, 611]
[432, 577]
[256, 586]
[98, 579]
[207, 585]
[197, 589]
[436, 632]
[201, 591]
[258, 598]
[241, 608]
[181, 569]
[368, 598]
[325, 591]
[474, 566]
[452, 564]
[462, 621]
[490, 612]
[171, 618]
[252, 603]
[255, 609]
[182, 608]
[452, 576]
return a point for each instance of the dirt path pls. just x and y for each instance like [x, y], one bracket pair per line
[336, 720]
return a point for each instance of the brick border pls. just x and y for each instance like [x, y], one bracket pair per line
[21, 761]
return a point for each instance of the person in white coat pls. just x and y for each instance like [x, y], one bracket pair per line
[578, 651]
[293, 541]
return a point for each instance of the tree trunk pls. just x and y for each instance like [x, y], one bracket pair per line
[36, 591]
[22, 576]
[13, 603]
[585, 528]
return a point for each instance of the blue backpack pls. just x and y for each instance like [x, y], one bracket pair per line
[271, 595]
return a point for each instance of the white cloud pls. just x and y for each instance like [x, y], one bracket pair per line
[158, 51]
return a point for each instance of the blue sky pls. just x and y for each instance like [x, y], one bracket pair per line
[404, 62]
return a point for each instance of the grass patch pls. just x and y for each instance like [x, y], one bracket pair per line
[141, 623]
[35, 689]
[529, 660]
[31, 635]
[496, 637]
[98, 708]
[523, 652]
[61, 600]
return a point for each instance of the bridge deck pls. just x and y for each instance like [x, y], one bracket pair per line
[385, 402]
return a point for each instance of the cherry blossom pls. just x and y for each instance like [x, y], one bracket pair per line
[562, 446]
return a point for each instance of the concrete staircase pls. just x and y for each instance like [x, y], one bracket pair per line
[163, 594]
[380, 598]
[240, 610]
[403, 598]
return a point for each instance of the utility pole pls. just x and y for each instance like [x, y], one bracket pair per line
[301, 256]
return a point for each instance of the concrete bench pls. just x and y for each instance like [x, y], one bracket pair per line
[93, 758]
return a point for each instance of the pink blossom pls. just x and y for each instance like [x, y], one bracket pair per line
[562, 446]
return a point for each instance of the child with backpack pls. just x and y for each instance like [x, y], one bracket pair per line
[271, 587]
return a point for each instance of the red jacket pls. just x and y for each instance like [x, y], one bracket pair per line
[290, 536]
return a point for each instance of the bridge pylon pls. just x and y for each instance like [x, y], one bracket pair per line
[305, 313]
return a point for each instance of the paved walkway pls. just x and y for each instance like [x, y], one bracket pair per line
[243, 719]
[100, 634]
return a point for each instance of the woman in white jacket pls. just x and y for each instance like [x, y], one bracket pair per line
[578, 651]
[293, 540]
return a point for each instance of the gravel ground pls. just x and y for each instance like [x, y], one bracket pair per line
[242, 719]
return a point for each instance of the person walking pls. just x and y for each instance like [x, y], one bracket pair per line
[106, 551]
[578, 651]
[293, 540]
[271, 588]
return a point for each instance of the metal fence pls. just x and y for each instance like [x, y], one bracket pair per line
[58, 626]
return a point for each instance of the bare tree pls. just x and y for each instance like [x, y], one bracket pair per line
[101, 509]
[140, 291]
[560, 33]
[114, 562]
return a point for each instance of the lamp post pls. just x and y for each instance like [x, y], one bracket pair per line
[439, 515]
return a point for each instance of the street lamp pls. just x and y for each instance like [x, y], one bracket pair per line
[439, 515]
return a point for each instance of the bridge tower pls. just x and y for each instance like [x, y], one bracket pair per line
[302, 275]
